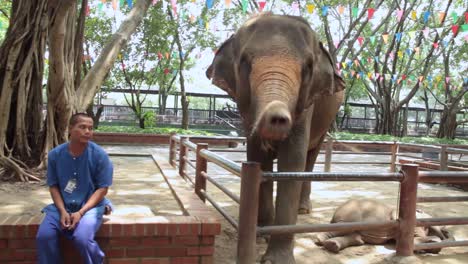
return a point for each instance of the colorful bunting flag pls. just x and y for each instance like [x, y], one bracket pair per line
[427, 14]
[244, 6]
[261, 5]
[441, 17]
[310, 8]
[385, 38]
[209, 4]
[399, 14]
[130, 3]
[324, 10]
[455, 29]
[466, 17]
[370, 13]
[372, 39]
[398, 36]
[154, 2]
[360, 40]
[114, 4]
[454, 16]
[227, 2]
[414, 15]
[295, 6]
[87, 11]
[355, 12]
[426, 32]
[464, 27]
[341, 10]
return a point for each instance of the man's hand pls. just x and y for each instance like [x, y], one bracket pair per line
[75, 218]
[65, 220]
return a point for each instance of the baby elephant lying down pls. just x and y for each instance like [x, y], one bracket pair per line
[366, 210]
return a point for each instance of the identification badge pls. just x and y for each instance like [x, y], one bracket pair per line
[71, 186]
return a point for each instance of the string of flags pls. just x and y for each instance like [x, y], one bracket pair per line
[439, 23]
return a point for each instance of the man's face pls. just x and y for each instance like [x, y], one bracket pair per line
[82, 131]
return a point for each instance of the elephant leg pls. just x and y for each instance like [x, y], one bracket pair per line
[338, 243]
[265, 207]
[291, 158]
[428, 239]
[304, 202]
[321, 237]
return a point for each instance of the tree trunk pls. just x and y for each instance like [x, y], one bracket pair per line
[448, 124]
[428, 116]
[141, 122]
[21, 71]
[96, 116]
[24, 143]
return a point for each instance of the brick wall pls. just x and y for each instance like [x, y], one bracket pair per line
[159, 239]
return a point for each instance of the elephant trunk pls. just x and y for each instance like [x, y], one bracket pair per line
[275, 86]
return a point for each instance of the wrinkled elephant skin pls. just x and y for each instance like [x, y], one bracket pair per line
[366, 210]
[287, 92]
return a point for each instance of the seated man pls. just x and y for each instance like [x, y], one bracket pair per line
[79, 173]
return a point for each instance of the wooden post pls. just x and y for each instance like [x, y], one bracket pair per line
[443, 158]
[201, 165]
[251, 176]
[407, 210]
[182, 154]
[328, 155]
[172, 149]
[393, 159]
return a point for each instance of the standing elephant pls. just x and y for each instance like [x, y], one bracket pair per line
[363, 210]
[287, 92]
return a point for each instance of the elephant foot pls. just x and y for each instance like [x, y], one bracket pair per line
[278, 257]
[320, 238]
[331, 245]
[428, 239]
[302, 211]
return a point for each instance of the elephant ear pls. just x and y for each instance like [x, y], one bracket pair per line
[221, 70]
[319, 77]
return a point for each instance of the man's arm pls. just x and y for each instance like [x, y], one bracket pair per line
[95, 198]
[58, 201]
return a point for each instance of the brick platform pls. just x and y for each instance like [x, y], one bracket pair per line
[158, 239]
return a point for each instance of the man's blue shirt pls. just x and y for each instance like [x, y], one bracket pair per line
[91, 170]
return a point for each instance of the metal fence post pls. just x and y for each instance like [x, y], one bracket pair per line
[172, 149]
[328, 155]
[407, 210]
[251, 176]
[182, 154]
[393, 158]
[443, 158]
[201, 165]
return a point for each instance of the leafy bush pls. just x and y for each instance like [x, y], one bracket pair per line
[150, 119]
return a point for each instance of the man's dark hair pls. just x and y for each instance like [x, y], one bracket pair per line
[74, 118]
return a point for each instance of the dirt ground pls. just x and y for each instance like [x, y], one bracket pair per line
[140, 189]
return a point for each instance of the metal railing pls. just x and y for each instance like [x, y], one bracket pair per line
[251, 177]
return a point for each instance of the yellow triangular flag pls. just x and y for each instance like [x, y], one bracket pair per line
[310, 8]
[414, 15]
[344, 65]
[207, 25]
[400, 54]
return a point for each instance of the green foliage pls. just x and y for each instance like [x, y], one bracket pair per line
[152, 130]
[5, 9]
[419, 140]
[150, 118]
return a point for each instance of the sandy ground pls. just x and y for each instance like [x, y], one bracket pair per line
[139, 189]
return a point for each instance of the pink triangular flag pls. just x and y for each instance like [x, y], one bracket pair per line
[436, 45]
[447, 79]
[336, 43]
[399, 14]
[426, 32]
